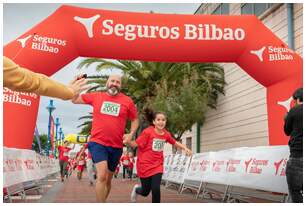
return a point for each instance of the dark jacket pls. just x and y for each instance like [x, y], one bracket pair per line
[294, 127]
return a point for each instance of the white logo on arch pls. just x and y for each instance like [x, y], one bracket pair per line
[24, 40]
[286, 103]
[87, 23]
[259, 53]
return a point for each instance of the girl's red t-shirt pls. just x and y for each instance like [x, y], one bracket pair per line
[150, 156]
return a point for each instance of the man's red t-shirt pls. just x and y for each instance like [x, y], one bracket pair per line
[150, 156]
[63, 153]
[110, 114]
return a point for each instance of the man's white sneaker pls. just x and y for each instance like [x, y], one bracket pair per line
[134, 194]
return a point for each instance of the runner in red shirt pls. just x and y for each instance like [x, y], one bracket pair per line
[89, 164]
[125, 162]
[81, 165]
[63, 158]
[150, 157]
[131, 165]
[111, 110]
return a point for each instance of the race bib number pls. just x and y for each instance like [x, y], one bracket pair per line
[158, 145]
[65, 154]
[125, 162]
[110, 108]
[82, 162]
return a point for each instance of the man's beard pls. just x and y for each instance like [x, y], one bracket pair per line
[113, 91]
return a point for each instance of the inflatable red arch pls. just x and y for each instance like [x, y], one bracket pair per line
[71, 32]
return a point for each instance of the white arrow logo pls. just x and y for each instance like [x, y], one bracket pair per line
[87, 23]
[285, 103]
[258, 53]
[23, 41]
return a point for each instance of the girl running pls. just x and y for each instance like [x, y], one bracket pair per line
[150, 157]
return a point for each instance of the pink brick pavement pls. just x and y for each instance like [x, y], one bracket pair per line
[74, 190]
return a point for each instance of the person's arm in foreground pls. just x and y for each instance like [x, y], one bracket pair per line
[23, 80]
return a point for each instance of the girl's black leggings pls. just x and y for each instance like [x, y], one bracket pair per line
[148, 184]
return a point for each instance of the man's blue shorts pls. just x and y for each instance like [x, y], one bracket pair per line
[101, 153]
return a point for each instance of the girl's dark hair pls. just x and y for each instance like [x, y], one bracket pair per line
[150, 115]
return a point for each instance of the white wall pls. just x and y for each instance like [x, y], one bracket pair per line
[241, 115]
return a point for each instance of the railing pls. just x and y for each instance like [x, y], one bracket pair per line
[24, 170]
[238, 174]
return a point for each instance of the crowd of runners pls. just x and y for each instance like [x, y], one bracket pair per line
[70, 162]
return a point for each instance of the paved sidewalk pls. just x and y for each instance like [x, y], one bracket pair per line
[80, 191]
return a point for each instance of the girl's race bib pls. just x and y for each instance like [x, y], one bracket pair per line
[158, 145]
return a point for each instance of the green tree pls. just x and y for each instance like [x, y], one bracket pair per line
[43, 142]
[184, 108]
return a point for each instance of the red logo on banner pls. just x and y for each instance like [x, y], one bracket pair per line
[217, 165]
[255, 165]
[204, 165]
[231, 165]
[247, 163]
[280, 167]
[29, 164]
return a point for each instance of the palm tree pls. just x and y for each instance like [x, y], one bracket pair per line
[87, 125]
[181, 89]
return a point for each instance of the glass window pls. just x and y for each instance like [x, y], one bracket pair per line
[221, 9]
[217, 11]
[247, 9]
[256, 9]
[260, 8]
[188, 142]
[225, 9]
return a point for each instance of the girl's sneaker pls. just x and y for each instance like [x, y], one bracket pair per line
[134, 194]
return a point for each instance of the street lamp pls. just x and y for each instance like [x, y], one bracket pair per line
[60, 135]
[55, 142]
[63, 137]
[50, 109]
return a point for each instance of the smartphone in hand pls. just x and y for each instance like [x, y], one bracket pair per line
[83, 76]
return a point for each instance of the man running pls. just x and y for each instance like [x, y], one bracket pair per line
[111, 110]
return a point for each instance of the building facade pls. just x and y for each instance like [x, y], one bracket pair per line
[240, 119]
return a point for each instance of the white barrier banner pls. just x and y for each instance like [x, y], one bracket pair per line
[167, 160]
[261, 168]
[200, 166]
[257, 167]
[175, 168]
[20, 165]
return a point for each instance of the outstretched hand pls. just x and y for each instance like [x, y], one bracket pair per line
[188, 152]
[78, 85]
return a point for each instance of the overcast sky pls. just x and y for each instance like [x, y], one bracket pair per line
[19, 18]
